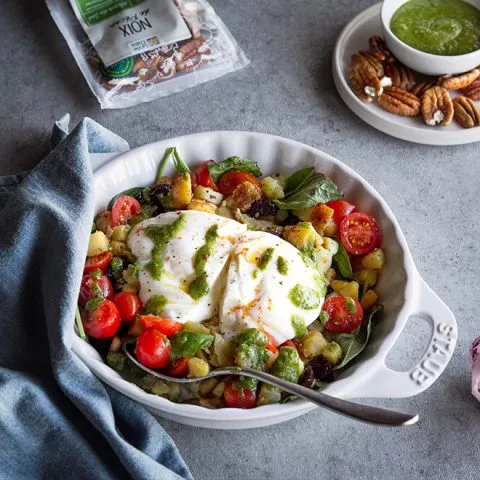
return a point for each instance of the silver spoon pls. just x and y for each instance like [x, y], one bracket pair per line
[364, 413]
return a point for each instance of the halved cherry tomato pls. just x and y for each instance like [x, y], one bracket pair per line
[153, 349]
[289, 343]
[203, 176]
[360, 233]
[271, 344]
[345, 314]
[128, 305]
[98, 262]
[232, 179]
[178, 368]
[341, 209]
[103, 321]
[124, 208]
[242, 398]
[165, 325]
[94, 286]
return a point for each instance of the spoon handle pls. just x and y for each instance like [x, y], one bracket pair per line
[364, 413]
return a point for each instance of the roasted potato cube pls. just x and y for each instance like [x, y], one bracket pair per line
[368, 278]
[219, 389]
[198, 367]
[369, 299]
[333, 352]
[103, 221]
[207, 386]
[346, 289]
[375, 260]
[207, 194]
[304, 214]
[120, 233]
[322, 220]
[120, 249]
[97, 244]
[312, 344]
[201, 205]
[243, 196]
[272, 187]
[302, 235]
[181, 191]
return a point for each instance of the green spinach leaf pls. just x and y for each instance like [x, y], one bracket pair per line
[316, 189]
[342, 262]
[187, 344]
[233, 163]
[297, 179]
[353, 343]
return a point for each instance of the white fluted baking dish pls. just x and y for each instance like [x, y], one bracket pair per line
[402, 290]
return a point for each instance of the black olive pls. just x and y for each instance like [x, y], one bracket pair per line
[160, 189]
[307, 378]
[290, 220]
[262, 208]
[275, 230]
[321, 369]
[101, 345]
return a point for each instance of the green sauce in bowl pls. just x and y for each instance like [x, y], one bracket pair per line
[440, 27]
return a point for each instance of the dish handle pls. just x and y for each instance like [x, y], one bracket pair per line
[388, 383]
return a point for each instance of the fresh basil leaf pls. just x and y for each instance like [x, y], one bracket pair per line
[297, 179]
[342, 262]
[180, 165]
[316, 189]
[353, 343]
[134, 192]
[216, 170]
[187, 344]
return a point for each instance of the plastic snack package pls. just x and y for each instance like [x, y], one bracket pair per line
[475, 353]
[157, 69]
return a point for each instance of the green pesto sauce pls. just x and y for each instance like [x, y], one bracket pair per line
[264, 260]
[303, 297]
[161, 235]
[282, 265]
[299, 326]
[156, 304]
[288, 364]
[199, 286]
[441, 27]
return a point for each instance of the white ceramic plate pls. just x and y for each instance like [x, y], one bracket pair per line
[355, 37]
[401, 289]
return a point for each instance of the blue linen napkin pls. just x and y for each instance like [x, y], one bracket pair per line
[57, 420]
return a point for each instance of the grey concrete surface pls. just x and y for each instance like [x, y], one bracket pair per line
[288, 90]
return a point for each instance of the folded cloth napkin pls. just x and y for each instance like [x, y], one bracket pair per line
[475, 352]
[57, 420]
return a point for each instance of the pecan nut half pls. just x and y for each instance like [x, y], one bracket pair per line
[457, 82]
[472, 91]
[380, 50]
[369, 58]
[399, 101]
[420, 88]
[467, 112]
[365, 82]
[402, 76]
[437, 106]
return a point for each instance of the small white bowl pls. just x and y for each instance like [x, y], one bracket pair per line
[423, 62]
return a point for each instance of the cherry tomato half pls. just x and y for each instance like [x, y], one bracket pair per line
[271, 344]
[103, 321]
[98, 262]
[242, 398]
[165, 325]
[203, 175]
[345, 314]
[360, 233]
[232, 179]
[178, 368]
[128, 305]
[124, 208]
[94, 287]
[289, 343]
[153, 349]
[341, 209]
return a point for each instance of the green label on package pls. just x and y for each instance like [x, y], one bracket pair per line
[95, 11]
[121, 28]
